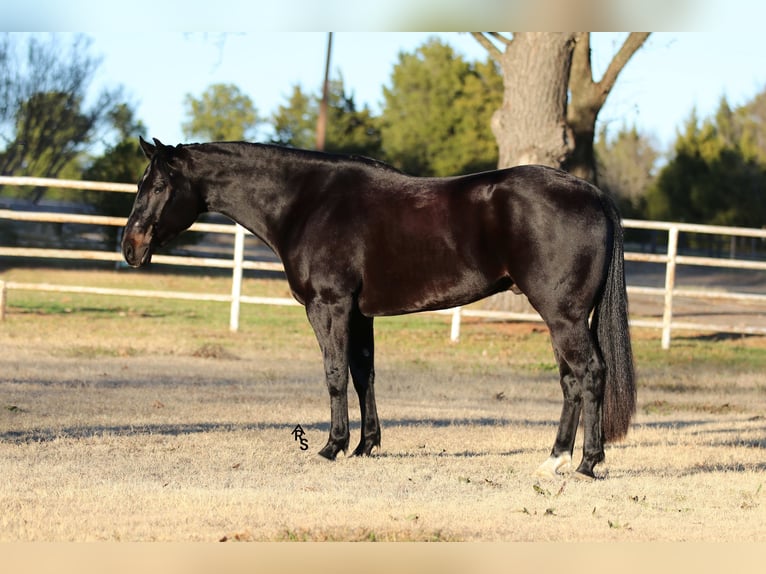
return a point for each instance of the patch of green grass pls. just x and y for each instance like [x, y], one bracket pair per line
[691, 353]
[126, 325]
[543, 367]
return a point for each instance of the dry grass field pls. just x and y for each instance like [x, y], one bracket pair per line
[141, 420]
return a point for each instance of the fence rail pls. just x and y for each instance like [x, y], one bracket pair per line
[237, 263]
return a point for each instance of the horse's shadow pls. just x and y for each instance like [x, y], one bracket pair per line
[40, 435]
[43, 435]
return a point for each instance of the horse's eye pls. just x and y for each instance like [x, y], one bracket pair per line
[158, 188]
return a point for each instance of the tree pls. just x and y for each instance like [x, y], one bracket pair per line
[295, 123]
[589, 96]
[625, 166]
[530, 126]
[222, 113]
[550, 99]
[50, 129]
[746, 125]
[349, 130]
[44, 123]
[121, 161]
[437, 111]
[717, 175]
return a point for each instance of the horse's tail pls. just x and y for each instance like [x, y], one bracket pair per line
[611, 331]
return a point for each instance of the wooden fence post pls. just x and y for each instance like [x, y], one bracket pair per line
[236, 277]
[670, 283]
[454, 335]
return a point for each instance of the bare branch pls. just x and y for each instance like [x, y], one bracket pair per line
[493, 50]
[632, 43]
[500, 38]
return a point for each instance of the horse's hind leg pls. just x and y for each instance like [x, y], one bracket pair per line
[593, 425]
[361, 355]
[560, 460]
[582, 382]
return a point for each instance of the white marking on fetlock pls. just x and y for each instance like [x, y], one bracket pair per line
[555, 465]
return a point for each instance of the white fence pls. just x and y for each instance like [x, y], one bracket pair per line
[671, 259]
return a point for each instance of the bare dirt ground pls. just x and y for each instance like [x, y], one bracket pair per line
[164, 437]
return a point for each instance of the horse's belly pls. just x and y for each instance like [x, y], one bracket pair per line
[409, 294]
[429, 261]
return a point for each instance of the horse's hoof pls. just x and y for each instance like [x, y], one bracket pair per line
[366, 449]
[362, 450]
[554, 466]
[328, 453]
[585, 471]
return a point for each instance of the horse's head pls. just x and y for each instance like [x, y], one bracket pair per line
[165, 204]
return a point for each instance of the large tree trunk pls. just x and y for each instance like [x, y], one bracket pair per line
[587, 97]
[531, 125]
[582, 113]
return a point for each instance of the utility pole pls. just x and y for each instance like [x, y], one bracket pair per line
[322, 119]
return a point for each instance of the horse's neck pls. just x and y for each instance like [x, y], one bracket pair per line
[253, 191]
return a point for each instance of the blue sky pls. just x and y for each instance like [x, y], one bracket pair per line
[670, 75]
[146, 49]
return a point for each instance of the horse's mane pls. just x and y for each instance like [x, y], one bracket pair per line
[243, 147]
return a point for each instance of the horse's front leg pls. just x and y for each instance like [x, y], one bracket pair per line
[330, 321]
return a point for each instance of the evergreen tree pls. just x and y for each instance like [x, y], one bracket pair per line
[717, 175]
[295, 123]
[222, 113]
[625, 167]
[123, 161]
[349, 130]
[436, 119]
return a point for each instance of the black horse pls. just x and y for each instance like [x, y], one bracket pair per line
[359, 239]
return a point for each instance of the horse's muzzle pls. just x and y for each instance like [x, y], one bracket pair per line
[137, 250]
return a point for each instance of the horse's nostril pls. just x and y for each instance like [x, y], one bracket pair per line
[127, 251]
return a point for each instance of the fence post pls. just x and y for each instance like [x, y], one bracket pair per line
[120, 263]
[236, 277]
[2, 300]
[670, 282]
[454, 333]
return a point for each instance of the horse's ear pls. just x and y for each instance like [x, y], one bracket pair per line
[148, 148]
